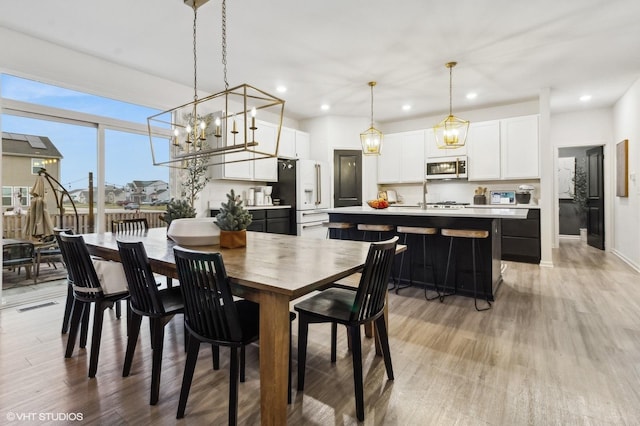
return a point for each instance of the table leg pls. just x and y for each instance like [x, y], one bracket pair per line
[274, 358]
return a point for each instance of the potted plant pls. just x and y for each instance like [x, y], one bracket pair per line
[233, 220]
[178, 209]
[581, 198]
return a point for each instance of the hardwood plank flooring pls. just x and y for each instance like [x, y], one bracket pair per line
[560, 346]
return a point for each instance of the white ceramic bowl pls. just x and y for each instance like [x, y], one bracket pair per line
[194, 232]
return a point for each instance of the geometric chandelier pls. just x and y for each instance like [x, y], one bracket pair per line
[452, 131]
[220, 128]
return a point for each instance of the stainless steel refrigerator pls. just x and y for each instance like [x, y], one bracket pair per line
[305, 185]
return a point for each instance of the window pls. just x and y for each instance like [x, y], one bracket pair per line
[21, 89]
[40, 163]
[11, 195]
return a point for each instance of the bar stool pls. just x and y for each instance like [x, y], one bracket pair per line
[417, 230]
[379, 229]
[374, 228]
[340, 226]
[474, 235]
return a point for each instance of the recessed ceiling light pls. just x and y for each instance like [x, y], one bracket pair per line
[585, 98]
[281, 89]
[406, 107]
[325, 107]
[472, 95]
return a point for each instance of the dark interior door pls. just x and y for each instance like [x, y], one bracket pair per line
[347, 178]
[595, 188]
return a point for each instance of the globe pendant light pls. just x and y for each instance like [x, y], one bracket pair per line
[371, 138]
[451, 132]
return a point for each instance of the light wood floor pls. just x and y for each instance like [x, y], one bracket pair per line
[561, 346]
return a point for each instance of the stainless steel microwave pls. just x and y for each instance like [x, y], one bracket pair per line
[447, 168]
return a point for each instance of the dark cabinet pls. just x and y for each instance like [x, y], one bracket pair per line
[274, 221]
[278, 221]
[521, 238]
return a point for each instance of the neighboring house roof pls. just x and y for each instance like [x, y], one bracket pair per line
[147, 183]
[28, 146]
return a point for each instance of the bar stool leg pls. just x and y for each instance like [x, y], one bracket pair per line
[396, 284]
[433, 273]
[475, 284]
[446, 273]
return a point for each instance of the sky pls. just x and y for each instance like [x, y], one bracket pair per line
[128, 156]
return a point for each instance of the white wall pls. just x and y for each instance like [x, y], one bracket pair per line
[626, 210]
[330, 133]
[589, 127]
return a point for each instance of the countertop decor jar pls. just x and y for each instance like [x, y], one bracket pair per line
[479, 199]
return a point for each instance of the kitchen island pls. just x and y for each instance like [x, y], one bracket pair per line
[490, 252]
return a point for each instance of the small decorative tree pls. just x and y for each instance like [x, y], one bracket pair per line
[178, 209]
[194, 175]
[232, 216]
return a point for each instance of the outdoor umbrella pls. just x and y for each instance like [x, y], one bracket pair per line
[38, 221]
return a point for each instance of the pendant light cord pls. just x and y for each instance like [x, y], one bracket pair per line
[224, 43]
[371, 104]
[195, 54]
[450, 91]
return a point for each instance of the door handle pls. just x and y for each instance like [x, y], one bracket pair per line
[311, 226]
[318, 186]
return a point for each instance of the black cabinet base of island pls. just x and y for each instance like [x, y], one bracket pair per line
[488, 256]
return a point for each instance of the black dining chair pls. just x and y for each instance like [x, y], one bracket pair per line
[129, 225]
[135, 225]
[68, 306]
[351, 308]
[212, 316]
[18, 254]
[160, 306]
[87, 291]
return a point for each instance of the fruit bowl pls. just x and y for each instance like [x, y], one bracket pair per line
[378, 204]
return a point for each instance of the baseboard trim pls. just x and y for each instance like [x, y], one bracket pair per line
[626, 260]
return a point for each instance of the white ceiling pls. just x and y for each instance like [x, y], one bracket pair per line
[327, 51]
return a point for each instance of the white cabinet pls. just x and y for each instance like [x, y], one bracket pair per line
[242, 165]
[402, 158]
[294, 144]
[504, 149]
[303, 145]
[483, 150]
[389, 159]
[287, 146]
[520, 147]
[434, 152]
[265, 169]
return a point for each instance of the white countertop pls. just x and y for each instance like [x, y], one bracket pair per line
[263, 207]
[508, 206]
[490, 212]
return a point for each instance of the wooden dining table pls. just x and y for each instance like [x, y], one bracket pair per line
[271, 270]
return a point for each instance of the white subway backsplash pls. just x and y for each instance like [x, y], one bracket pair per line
[461, 191]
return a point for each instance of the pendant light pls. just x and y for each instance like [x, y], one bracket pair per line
[371, 138]
[451, 132]
[221, 128]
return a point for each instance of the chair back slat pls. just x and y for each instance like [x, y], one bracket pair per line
[210, 311]
[56, 233]
[145, 296]
[370, 297]
[79, 266]
[129, 225]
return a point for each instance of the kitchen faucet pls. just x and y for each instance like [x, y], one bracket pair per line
[423, 206]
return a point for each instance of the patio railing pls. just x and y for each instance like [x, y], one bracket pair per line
[13, 224]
